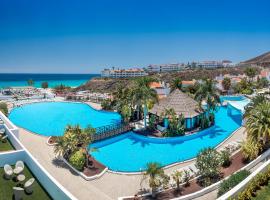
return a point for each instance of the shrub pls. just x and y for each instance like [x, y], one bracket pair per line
[250, 149]
[186, 177]
[77, 159]
[225, 158]
[4, 108]
[208, 162]
[107, 104]
[44, 85]
[231, 182]
[254, 185]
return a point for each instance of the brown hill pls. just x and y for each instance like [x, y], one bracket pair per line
[104, 85]
[262, 60]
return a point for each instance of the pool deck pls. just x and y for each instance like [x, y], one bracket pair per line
[109, 186]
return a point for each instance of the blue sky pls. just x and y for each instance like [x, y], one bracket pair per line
[67, 36]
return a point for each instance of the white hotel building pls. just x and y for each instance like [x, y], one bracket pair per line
[166, 67]
[123, 73]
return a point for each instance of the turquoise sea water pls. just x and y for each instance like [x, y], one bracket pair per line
[131, 152]
[51, 118]
[72, 80]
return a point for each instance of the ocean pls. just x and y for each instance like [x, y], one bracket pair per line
[72, 80]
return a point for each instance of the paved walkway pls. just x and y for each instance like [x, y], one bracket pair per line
[109, 186]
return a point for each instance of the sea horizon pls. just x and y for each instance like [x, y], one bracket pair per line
[53, 79]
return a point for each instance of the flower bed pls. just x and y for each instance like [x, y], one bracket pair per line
[236, 164]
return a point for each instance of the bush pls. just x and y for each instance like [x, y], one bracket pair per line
[208, 162]
[247, 91]
[77, 160]
[4, 108]
[254, 185]
[231, 182]
[107, 104]
[225, 158]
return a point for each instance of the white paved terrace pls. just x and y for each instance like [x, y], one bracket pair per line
[109, 186]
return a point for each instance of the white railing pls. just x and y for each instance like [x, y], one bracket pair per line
[52, 186]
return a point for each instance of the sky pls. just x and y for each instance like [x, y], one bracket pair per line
[67, 36]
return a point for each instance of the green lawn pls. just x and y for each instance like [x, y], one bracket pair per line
[6, 191]
[263, 193]
[6, 146]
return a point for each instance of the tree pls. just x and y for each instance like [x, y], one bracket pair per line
[258, 122]
[250, 72]
[262, 82]
[207, 91]
[74, 139]
[30, 82]
[176, 123]
[142, 94]
[176, 84]
[208, 162]
[255, 101]
[177, 175]
[44, 85]
[4, 108]
[226, 83]
[156, 176]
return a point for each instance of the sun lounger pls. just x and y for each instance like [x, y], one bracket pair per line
[8, 171]
[4, 139]
[28, 186]
[2, 131]
[18, 193]
[19, 167]
[194, 169]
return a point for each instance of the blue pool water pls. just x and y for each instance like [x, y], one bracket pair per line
[131, 152]
[231, 98]
[51, 118]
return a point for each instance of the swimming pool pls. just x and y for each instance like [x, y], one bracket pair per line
[131, 152]
[231, 98]
[51, 118]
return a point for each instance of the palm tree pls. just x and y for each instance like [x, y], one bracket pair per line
[207, 91]
[258, 122]
[155, 174]
[177, 175]
[176, 84]
[253, 103]
[250, 72]
[30, 82]
[142, 94]
[226, 83]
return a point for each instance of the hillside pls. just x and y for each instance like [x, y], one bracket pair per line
[107, 85]
[261, 60]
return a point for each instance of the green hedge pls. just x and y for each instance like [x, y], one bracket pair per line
[77, 160]
[231, 182]
[254, 185]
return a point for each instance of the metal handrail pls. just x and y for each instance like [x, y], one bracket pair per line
[110, 130]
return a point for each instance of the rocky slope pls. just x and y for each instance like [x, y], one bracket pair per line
[107, 85]
[261, 60]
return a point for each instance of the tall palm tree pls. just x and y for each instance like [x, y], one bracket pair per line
[207, 91]
[176, 84]
[142, 94]
[258, 123]
[226, 83]
[177, 175]
[155, 174]
[250, 72]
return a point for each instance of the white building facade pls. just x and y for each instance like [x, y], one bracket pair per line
[123, 73]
